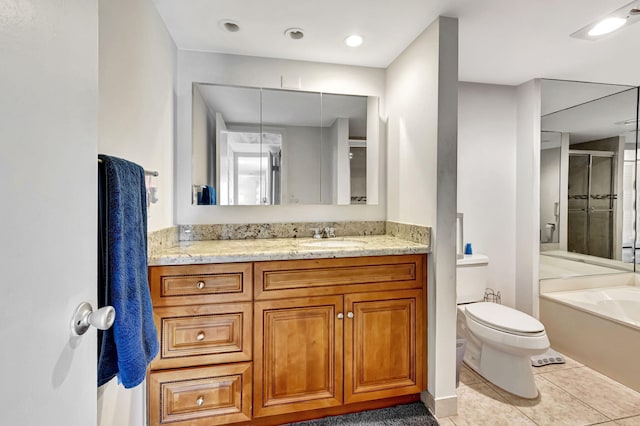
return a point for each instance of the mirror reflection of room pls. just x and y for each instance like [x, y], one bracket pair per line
[587, 173]
[254, 146]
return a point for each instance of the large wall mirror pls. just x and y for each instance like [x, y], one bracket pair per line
[588, 175]
[256, 146]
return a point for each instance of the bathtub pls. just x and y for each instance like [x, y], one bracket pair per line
[599, 327]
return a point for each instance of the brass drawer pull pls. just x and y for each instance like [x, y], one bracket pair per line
[200, 400]
[200, 336]
[200, 285]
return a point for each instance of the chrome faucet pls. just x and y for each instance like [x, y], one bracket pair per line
[323, 233]
[328, 232]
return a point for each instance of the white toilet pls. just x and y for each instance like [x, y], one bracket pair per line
[500, 340]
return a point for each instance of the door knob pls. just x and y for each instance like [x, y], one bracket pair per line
[84, 316]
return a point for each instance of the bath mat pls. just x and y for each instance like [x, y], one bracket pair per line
[549, 357]
[407, 414]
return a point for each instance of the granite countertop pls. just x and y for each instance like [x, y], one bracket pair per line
[220, 251]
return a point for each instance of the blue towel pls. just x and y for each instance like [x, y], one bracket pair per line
[207, 196]
[127, 348]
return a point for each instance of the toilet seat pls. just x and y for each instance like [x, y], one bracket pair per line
[505, 319]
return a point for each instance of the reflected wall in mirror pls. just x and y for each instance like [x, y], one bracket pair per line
[254, 146]
[587, 173]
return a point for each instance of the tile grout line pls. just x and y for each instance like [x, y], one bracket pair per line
[557, 369]
[545, 376]
[577, 397]
[616, 383]
[497, 388]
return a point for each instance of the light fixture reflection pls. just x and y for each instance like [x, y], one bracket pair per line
[606, 26]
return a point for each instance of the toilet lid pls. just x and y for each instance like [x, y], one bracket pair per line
[503, 318]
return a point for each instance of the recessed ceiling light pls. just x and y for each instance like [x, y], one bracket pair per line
[607, 26]
[353, 40]
[231, 26]
[294, 33]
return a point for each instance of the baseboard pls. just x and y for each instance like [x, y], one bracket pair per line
[440, 407]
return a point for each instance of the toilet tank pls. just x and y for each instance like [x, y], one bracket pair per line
[471, 278]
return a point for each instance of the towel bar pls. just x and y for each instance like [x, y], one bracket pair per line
[146, 172]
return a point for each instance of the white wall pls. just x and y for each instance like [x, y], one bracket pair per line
[487, 178]
[549, 194]
[358, 172]
[329, 157]
[202, 141]
[137, 60]
[528, 196]
[301, 161]
[263, 72]
[342, 186]
[422, 112]
[136, 76]
[223, 182]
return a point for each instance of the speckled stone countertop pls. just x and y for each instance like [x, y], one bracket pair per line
[220, 251]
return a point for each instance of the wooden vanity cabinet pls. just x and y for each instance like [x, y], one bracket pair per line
[203, 372]
[353, 332]
[280, 341]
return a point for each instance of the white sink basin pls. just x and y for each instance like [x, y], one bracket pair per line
[331, 242]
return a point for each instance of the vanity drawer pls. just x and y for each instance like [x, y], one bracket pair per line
[203, 334]
[323, 277]
[200, 284]
[200, 396]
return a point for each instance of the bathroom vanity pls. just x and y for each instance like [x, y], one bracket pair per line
[323, 331]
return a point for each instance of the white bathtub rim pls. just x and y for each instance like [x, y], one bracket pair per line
[552, 296]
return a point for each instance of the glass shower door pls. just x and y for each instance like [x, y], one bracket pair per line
[591, 204]
[601, 200]
[578, 203]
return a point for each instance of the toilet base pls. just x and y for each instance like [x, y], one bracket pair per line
[509, 372]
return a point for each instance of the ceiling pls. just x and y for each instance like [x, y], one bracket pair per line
[500, 41]
[243, 105]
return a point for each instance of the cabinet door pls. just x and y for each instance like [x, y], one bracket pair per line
[384, 349]
[298, 356]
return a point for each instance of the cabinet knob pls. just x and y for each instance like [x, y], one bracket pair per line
[200, 336]
[200, 400]
[349, 314]
[200, 285]
[340, 315]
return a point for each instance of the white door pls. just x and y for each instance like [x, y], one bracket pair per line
[48, 143]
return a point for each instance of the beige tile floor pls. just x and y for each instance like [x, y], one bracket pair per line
[570, 394]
